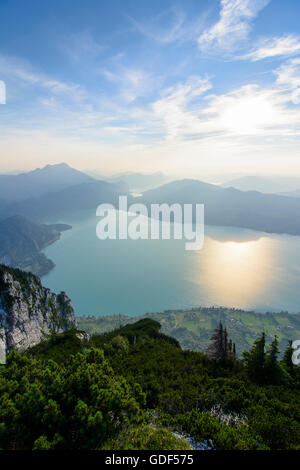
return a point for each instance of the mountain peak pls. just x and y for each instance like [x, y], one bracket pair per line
[58, 165]
[35, 183]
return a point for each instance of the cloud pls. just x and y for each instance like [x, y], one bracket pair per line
[81, 46]
[286, 45]
[17, 70]
[252, 110]
[169, 26]
[289, 73]
[156, 29]
[68, 109]
[233, 26]
[182, 112]
[132, 82]
[185, 116]
[288, 76]
[187, 112]
[174, 109]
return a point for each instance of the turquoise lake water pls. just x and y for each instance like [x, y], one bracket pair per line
[236, 268]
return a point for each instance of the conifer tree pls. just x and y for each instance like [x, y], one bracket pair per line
[287, 359]
[225, 344]
[273, 372]
[255, 360]
[231, 351]
[219, 347]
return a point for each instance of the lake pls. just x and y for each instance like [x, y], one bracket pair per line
[236, 268]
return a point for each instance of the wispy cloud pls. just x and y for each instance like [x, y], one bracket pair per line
[288, 76]
[185, 116]
[169, 26]
[181, 112]
[175, 108]
[155, 28]
[12, 68]
[233, 26]
[287, 45]
[188, 112]
[132, 82]
[81, 46]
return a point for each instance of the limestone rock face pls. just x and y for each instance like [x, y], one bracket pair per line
[29, 312]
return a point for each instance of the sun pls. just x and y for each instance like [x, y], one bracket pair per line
[248, 115]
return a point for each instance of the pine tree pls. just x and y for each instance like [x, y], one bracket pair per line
[273, 371]
[287, 360]
[232, 351]
[218, 349]
[225, 344]
[255, 360]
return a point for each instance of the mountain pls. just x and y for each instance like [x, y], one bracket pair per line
[139, 182]
[134, 182]
[51, 178]
[29, 311]
[231, 207]
[22, 240]
[55, 205]
[185, 189]
[275, 184]
[292, 193]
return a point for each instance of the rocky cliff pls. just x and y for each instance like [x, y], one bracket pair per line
[29, 312]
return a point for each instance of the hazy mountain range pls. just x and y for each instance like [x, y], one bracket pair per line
[58, 191]
[274, 184]
[135, 182]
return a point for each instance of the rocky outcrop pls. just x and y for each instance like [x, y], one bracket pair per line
[29, 312]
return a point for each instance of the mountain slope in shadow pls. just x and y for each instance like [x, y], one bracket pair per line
[54, 206]
[230, 207]
[21, 242]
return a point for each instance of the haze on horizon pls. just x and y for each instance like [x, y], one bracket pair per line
[192, 89]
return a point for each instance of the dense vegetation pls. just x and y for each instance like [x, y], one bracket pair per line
[134, 387]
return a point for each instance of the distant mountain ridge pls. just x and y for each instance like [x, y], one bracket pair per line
[134, 181]
[270, 213]
[140, 182]
[292, 193]
[272, 184]
[49, 179]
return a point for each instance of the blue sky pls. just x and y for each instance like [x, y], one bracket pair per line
[202, 88]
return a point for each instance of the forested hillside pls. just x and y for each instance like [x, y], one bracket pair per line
[135, 388]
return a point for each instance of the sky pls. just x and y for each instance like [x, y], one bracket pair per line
[196, 88]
